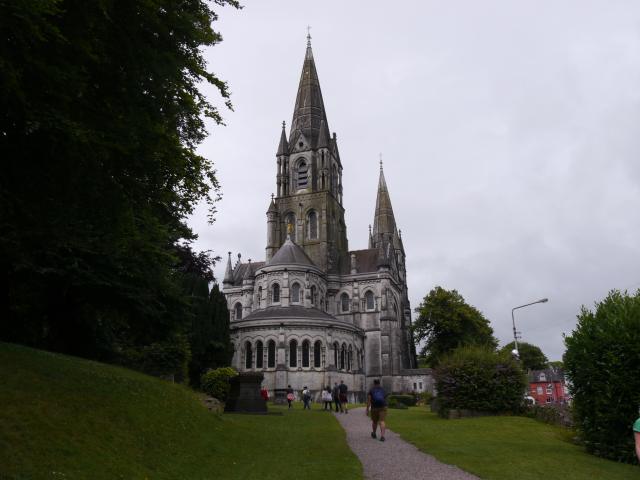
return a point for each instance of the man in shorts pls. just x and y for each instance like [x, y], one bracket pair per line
[343, 397]
[377, 405]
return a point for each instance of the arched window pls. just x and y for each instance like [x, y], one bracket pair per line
[259, 296]
[293, 353]
[248, 358]
[336, 347]
[344, 302]
[303, 174]
[350, 359]
[343, 354]
[369, 300]
[238, 311]
[259, 354]
[314, 295]
[317, 351]
[295, 293]
[291, 226]
[275, 293]
[305, 353]
[312, 225]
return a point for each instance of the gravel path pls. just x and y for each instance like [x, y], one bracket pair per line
[393, 459]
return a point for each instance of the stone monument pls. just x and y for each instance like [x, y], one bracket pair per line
[244, 396]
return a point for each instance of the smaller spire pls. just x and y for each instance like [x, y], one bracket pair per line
[228, 274]
[283, 146]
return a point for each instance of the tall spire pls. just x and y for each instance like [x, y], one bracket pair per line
[384, 221]
[228, 274]
[309, 113]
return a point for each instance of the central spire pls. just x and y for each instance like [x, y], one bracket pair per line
[309, 117]
[384, 222]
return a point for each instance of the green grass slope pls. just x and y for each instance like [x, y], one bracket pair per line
[64, 417]
[505, 448]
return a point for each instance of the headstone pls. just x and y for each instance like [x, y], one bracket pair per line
[244, 395]
[280, 396]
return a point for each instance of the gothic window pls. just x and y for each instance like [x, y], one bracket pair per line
[336, 347]
[295, 293]
[350, 358]
[293, 353]
[259, 354]
[344, 302]
[248, 359]
[303, 174]
[305, 353]
[369, 300]
[343, 354]
[259, 296]
[317, 351]
[238, 311]
[271, 354]
[291, 226]
[314, 295]
[275, 293]
[312, 225]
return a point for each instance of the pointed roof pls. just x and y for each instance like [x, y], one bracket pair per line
[283, 147]
[309, 113]
[384, 221]
[228, 274]
[289, 254]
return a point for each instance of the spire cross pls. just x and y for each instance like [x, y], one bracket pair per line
[272, 195]
[283, 124]
[380, 161]
[308, 35]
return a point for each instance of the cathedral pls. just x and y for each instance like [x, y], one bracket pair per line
[314, 312]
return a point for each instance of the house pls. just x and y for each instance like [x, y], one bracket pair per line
[548, 386]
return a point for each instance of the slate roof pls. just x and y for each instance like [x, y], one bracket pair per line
[551, 374]
[366, 260]
[241, 270]
[290, 253]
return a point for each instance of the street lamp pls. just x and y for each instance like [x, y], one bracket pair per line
[515, 333]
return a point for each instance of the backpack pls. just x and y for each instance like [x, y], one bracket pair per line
[377, 397]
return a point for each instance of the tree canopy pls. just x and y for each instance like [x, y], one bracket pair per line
[445, 322]
[531, 357]
[100, 115]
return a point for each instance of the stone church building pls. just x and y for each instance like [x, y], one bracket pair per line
[314, 312]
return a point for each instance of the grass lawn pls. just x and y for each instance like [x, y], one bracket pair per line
[504, 448]
[63, 417]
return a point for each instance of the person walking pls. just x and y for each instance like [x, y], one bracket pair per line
[290, 396]
[377, 408]
[343, 397]
[326, 398]
[336, 396]
[306, 398]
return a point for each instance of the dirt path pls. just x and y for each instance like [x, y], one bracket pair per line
[393, 459]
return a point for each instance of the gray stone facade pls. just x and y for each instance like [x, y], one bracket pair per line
[315, 313]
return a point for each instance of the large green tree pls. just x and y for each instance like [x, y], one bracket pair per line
[100, 115]
[531, 357]
[602, 361]
[445, 322]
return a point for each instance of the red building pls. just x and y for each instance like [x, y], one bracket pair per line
[548, 386]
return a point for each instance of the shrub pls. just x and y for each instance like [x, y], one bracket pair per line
[479, 379]
[408, 400]
[425, 398]
[602, 361]
[216, 382]
[168, 359]
[393, 402]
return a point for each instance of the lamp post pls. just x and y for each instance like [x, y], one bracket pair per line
[513, 320]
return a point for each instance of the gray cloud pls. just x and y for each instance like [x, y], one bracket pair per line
[509, 133]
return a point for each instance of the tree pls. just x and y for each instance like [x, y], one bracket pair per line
[101, 114]
[602, 361]
[445, 322]
[531, 356]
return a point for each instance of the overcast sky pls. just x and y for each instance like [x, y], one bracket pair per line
[510, 134]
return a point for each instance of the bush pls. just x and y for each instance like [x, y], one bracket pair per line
[168, 359]
[479, 379]
[216, 382]
[553, 414]
[393, 402]
[425, 398]
[602, 361]
[408, 400]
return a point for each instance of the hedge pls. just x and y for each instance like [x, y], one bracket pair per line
[216, 382]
